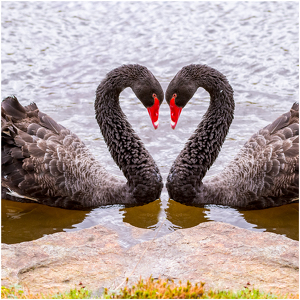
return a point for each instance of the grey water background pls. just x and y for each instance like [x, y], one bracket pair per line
[56, 53]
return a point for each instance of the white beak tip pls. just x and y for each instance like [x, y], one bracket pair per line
[173, 124]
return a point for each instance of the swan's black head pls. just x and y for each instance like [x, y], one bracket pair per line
[180, 90]
[143, 83]
[149, 91]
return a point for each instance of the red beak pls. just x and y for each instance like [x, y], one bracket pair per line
[175, 112]
[153, 113]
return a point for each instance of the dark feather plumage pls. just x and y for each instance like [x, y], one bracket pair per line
[44, 162]
[264, 173]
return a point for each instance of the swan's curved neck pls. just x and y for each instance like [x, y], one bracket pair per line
[211, 132]
[125, 146]
[202, 148]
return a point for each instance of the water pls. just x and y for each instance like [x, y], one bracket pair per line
[56, 53]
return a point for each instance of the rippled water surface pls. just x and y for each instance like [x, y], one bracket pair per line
[56, 53]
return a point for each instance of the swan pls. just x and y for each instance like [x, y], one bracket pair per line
[264, 173]
[44, 162]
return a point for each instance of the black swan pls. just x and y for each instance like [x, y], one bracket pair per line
[46, 163]
[264, 173]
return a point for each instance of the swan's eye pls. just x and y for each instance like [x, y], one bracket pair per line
[174, 95]
[154, 95]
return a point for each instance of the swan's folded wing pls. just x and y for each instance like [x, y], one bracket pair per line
[265, 172]
[278, 151]
[289, 118]
[282, 168]
[33, 154]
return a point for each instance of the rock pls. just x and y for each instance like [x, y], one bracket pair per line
[221, 255]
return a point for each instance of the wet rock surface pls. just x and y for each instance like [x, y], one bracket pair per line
[221, 255]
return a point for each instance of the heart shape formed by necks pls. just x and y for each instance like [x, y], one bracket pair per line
[154, 111]
[174, 111]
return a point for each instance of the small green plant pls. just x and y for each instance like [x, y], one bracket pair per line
[167, 289]
[158, 289]
[147, 289]
[16, 292]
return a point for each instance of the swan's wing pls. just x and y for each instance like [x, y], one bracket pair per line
[281, 153]
[38, 156]
[265, 171]
[285, 120]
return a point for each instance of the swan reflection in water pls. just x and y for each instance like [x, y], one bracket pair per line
[281, 220]
[29, 221]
